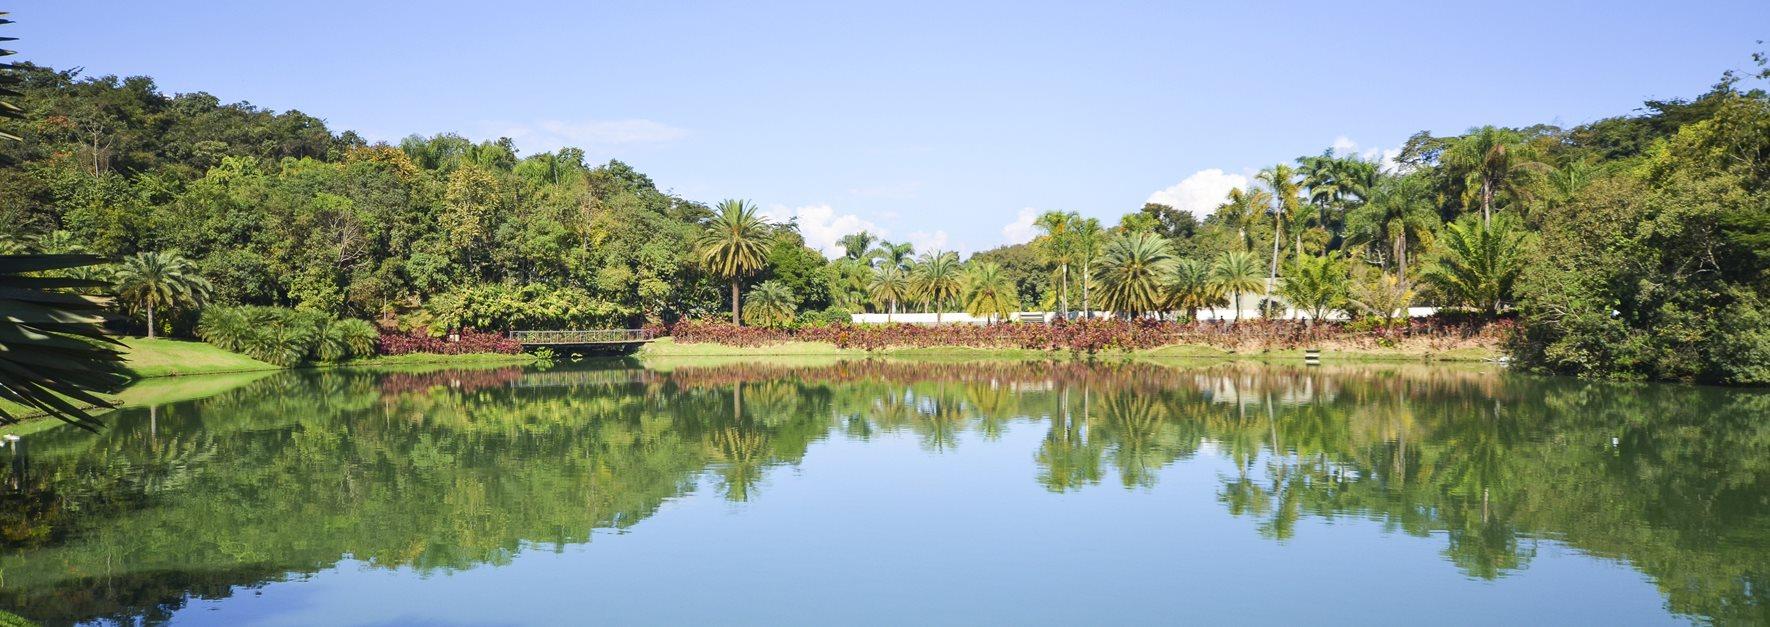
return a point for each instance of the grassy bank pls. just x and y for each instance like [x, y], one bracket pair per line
[174, 370]
[668, 348]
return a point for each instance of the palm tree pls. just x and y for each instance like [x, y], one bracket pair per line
[1237, 272]
[1380, 294]
[1287, 211]
[1058, 248]
[1476, 263]
[771, 304]
[1088, 238]
[1316, 285]
[1134, 272]
[989, 291]
[1241, 209]
[1337, 185]
[1400, 214]
[890, 284]
[936, 280]
[155, 280]
[1491, 161]
[734, 244]
[898, 256]
[856, 245]
[1191, 287]
[52, 343]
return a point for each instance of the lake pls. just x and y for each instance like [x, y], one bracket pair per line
[883, 492]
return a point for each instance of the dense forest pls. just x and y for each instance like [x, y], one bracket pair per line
[1636, 246]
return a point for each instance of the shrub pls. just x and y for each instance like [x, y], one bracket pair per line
[283, 336]
[1091, 336]
[468, 341]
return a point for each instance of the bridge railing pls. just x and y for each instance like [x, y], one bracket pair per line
[594, 336]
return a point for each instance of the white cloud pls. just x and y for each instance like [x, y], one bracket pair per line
[926, 242]
[1021, 230]
[822, 226]
[1201, 192]
[1385, 157]
[590, 135]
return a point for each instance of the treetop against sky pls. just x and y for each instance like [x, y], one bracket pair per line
[947, 126]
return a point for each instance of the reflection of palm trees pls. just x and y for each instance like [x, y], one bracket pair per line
[1140, 436]
[741, 456]
[1068, 459]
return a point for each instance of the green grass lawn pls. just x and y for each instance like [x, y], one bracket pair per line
[169, 358]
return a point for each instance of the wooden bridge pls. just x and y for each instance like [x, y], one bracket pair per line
[590, 342]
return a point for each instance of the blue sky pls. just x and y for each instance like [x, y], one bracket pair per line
[941, 123]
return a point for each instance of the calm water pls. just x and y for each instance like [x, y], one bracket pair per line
[883, 493]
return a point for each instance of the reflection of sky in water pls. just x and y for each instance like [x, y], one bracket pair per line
[884, 532]
[933, 518]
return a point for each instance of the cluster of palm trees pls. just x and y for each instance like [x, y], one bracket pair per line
[734, 245]
[937, 280]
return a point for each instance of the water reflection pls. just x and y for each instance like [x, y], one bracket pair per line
[448, 470]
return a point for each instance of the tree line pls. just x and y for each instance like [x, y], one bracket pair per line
[1633, 246]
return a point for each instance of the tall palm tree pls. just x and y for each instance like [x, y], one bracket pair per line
[1399, 216]
[1316, 285]
[1476, 263]
[935, 280]
[855, 245]
[154, 280]
[1134, 273]
[1237, 272]
[989, 291]
[734, 245]
[1088, 239]
[1058, 248]
[771, 304]
[1288, 212]
[889, 285]
[1492, 161]
[1191, 287]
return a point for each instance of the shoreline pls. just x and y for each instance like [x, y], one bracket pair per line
[157, 363]
[668, 348]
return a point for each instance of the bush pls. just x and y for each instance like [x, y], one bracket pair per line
[283, 336]
[468, 341]
[1088, 336]
[833, 315]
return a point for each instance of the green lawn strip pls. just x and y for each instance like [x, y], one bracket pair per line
[168, 358]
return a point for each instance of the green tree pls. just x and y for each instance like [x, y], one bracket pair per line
[935, 280]
[1089, 238]
[160, 281]
[1237, 272]
[900, 256]
[1192, 287]
[1399, 218]
[988, 291]
[733, 245]
[1491, 162]
[1058, 246]
[770, 304]
[1289, 214]
[890, 284]
[1477, 261]
[1134, 273]
[856, 245]
[1315, 285]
